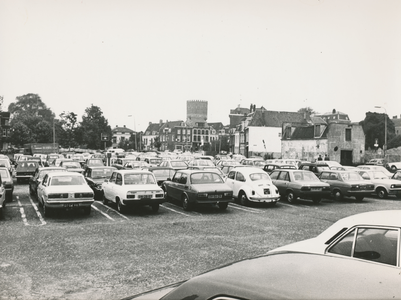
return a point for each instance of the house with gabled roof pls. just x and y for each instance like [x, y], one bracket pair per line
[150, 135]
[120, 134]
[341, 141]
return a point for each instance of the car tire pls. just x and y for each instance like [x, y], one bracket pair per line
[243, 199]
[186, 205]
[393, 169]
[338, 196]
[155, 207]
[381, 193]
[223, 205]
[105, 201]
[87, 210]
[359, 198]
[291, 197]
[120, 207]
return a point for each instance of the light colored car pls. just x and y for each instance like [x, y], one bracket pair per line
[358, 257]
[63, 191]
[195, 187]
[253, 162]
[375, 168]
[7, 182]
[384, 186]
[294, 184]
[174, 164]
[72, 165]
[252, 184]
[2, 198]
[132, 188]
[347, 184]
[394, 166]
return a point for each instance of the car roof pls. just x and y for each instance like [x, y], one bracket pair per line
[133, 171]
[248, 170]
[65, 173]
[101, 167]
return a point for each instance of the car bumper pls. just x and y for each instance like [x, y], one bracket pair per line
[146, 201]
[359, 193]
[264, 199]
[312, 194]
[68, 204]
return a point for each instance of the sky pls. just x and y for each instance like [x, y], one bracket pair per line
[140, 61]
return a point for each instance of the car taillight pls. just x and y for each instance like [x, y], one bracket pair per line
[83, 195]
[58, 196]
[131, 194]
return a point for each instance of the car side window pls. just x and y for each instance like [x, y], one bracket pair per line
[283, 176]
[333, 176]
[240, 177]
[113, 177]
[365, 175]
[274, 175]
[183, 179]
[325, 175]
[119, 179]
[177, 177]
[44, 181]
[373, 244]
[231, 175]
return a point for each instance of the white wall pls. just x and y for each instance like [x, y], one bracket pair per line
[271, 136]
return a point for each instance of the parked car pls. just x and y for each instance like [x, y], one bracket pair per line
[162, 173]
[175, 164]
[397, 175]
[132, 188]
[38, 175]
[64, 191]
[393, 166]
[227, 168]
[375, 168]
[194, 187]
[384, 186]
[359, 253]
[5, 162]
[252, 184]
[25, 170]
[72, 165]
[270, 167]
[153, 161]
[253, 162]
[347, 184]
[8, 183]
[201, 163]
[95, 176]
[314, 167]
[2, 199]
[294, 184]
[377, 161]
[120, 162]
[93, 162]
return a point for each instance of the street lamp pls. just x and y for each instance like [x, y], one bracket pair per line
[385, 130]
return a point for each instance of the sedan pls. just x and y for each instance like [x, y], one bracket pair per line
[64, 191]
[358, 257]
[252, 184]
[294, 184]
[193, 187]
[95, 177]
[25, 170]
[132, 188]
[384, 186]
[347, 184]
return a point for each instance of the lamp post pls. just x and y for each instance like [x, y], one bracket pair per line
[385, 130]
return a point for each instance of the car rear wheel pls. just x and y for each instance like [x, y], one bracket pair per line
[223, 205]
[338, 196]
[381, 193]
[120, 206]
[155, 207]
[291, 197]
[243, 199]
[185, 203]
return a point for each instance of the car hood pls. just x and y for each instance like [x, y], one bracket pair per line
[288, 275]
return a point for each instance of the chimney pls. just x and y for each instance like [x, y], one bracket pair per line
[124, 126]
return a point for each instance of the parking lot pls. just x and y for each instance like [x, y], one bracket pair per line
[108, 255]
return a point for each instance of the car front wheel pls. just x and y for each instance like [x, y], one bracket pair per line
[120, 207]
[291, 197]
[338, 196]
[105, 201]
[381, 193]
[244, 199]
[185, 203]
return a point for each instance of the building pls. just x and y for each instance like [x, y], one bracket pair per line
[5, 128]
[397, 124]
[120, 134]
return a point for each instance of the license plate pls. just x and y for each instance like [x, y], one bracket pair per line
[144, 196]
[215, 196]
[71, 205]
[316, 189]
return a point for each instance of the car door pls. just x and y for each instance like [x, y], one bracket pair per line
[108, 186]
[230, 180]
[281, 180]
[172, 186]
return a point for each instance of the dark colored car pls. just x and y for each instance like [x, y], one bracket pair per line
[95, 176]
[294, 184]
[347, 184]
[8, 183]
[313, 167]
[192, 187]
[268, 168]
[162, 173]
[25, 170]
[38, 175]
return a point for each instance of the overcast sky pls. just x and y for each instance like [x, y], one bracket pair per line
[146, 58]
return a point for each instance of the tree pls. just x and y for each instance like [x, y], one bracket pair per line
[374, 126]
[69, 124]
[307, 110]
[20, 135]
[93, 125]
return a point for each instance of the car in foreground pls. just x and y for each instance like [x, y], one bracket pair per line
[252, 184]
[347, 184]
[37, 178]
[132, 188]
[358, 257]
[95, 177]
[64, 191]
[8, 183]
[195, 187]
[25, 170]
[384, 186]
[294, 184]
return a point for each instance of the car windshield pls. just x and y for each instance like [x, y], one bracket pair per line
[259, 176]
[101, 173]
[137, 178]
[205, 178]
[67, 180]
[178, 164]
[378, 175]
[351, 176]
[305, 176]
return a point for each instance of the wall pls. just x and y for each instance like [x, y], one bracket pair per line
[308, 150]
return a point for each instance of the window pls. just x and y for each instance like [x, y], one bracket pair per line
[284, 176]
[178, 131]
[119, 179]
[231, 175]
[348, 134]
[240, 177]
[317, 130]
[325, 175]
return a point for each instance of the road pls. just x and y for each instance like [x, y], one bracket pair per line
[107, 255]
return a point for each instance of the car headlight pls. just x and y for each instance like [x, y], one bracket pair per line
[392, 186]
[131, 194]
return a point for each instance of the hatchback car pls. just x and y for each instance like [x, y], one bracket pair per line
[64, 191]
[193, 187]
[294, 184]
[347, 184]
[384, 186]
[357, 257]
[25, 170]
[132, 188]
[95, 177]
[252, 184]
